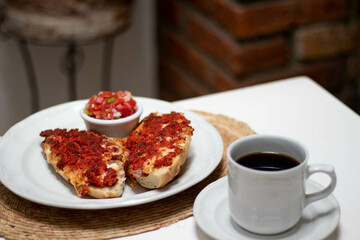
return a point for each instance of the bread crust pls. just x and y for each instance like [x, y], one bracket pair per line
[159, 177]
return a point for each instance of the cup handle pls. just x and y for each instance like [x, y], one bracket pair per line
[323, 168]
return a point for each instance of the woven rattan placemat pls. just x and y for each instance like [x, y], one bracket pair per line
[22, 219]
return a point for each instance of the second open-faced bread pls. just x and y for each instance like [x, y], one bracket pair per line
[157, 148]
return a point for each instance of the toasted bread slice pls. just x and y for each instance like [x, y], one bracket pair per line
[157, 148]
[90, 162]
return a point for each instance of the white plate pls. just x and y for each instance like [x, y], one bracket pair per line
[25, 172]
[212, 214]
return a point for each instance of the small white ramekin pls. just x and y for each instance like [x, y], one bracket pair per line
[118, 128]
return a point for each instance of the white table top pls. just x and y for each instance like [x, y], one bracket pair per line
[301, 109]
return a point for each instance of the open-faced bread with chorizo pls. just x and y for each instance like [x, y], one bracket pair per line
[157, 148]
[92, 163]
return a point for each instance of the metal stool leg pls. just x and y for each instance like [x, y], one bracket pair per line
[107, 60]
[29, 68]
[70, 66]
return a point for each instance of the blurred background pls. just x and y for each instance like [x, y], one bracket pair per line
[133, 65]
[175, 49]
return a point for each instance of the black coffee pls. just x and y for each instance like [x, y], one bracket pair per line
[267, 161]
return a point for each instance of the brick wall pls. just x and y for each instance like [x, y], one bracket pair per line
[208, 46]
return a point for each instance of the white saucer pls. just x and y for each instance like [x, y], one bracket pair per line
[211, 212]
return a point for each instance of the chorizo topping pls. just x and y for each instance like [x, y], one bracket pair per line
[159, 140]
[83, 152]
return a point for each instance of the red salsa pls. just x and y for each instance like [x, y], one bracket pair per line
[109, 106]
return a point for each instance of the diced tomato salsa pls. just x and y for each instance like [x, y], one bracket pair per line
[109, 106]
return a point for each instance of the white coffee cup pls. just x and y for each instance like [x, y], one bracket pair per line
[271, 202]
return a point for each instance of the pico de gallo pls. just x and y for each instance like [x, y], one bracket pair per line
[109, 106]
